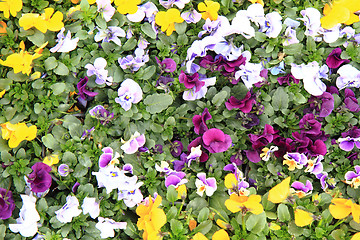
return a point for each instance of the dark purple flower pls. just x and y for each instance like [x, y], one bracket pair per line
[143, 149]
[216, 140]
[195, 143]
[87, 133]
[310, 126]
[260, 141]
[350, 101]
[288, 79]
[332, 90]
[7, 204]
[99, 112]
[200, 122]
[285, 145]
[176, 148]
[245, 104]
[191, 81]
[354, 132]
[166, 65]
[84, 94]
[158, 149]
[253, 156]
[324, 104]
[75, 187]
[40, 179]
[248, 120]
[237, 158]
[334, 60]
[180, 164]
[164, 82]
[306, 145]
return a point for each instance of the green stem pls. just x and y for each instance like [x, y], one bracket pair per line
[243, 225]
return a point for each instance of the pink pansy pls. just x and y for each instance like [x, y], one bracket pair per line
[216, 140]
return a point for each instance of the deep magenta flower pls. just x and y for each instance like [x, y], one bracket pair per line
[334, 60]
[350, 101]
[216, 140]
[166, 65]
[195, 143]
[309, 125]
[288, 79]
[191, 81]
[85, 95]
[7, 204]
[40, 179]
[245, 105]
[323, 104]
[199, 122]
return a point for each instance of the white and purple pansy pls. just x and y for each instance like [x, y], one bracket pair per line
[353, 178]
[108, 157]
[175, 179]
[301, 190]
[207, 185]
[134, 143]
[129, 92]
[315, 166]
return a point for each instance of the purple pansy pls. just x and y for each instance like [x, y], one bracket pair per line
[108, 158]
[310, 126]
[315, 166]
[199, 122]
[176, 148]
[288, 79]
[87, 133]
[129, 92]
[215, 140]
[191, 16]
[334, 60]
[349, 139]
[237, 158]
[245, 105]
[191, 81]
[195, 143]
[63, 170]
[325, 181]
[7, 204]
[175, 179]
[323, 104]
[99, 112]
[207, 185]
[40, 179]
[84, 94]
[134, 62]
[180, 164]
[166, 65]
[132, 145]
[350, 101]
[353, 178]
[300, 189]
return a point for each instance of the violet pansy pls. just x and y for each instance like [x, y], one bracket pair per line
[301, 190]
[132, 145]
[129, 92]
[207, 185]
[353, 178]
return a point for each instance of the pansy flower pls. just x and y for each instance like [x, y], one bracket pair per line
[7, 204]
[10, 7]
[334, 60]
[349, 77]
[168, 19]
[98, 69]
[244, 204]
[64, 43]
[169, 3]
[341, 208]
[266, 152]
[108, 158]
[207, 185]
[215, 140]
[110, 34]
[175, 179]
[209, 9]
[107, 227]
[353, 178]
[280, 192]
[104, 7]
[129, 92]
[314, 166]
[295, 160]
[127, 6]
[66, 213]
[302, 218]
[132, 145]
[301, 190]
[236, 184]
[92, 206]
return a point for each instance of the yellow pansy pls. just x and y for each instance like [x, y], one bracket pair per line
[181, 191]
[16, 133]
[151, 218]
[21, 62]
[280, 192]
[51, 160]
[257, 1]
[243, 203]
[221, 235]
[168, 19]
[10, 7]
[199, 236]
[274, 226]
[303, 218]
[356, 236]
[46, 21]
[340, 11]
[341, 208]
[223, 224]
[209, 9]
[127, 6]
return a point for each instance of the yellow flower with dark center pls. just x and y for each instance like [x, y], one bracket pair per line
[340, 11]
[51, 160]
[10, 7]
[341, 208]
[21, 62]
[16, 133]
[245, 204]
[46, 21]
[209, 9]
[303, 218]
[151, 218]
[168, 19]
[280, 192]
[127, 6]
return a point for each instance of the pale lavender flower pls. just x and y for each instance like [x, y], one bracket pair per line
[110, 177]
[353, 178]
[250, 74]
[98, 69]
[64, 43]
[163, 167]
[255, 13]
[290, 37]
[315, 166]
[311, 19]
[209, 27]
[273, 25]
[134, 62]
[148, 9]
[105, 7]
[291, 23]
[91, 206]
[194, 154]
[132, 145]
[130, 192]
[142, 43]
[99, 112]
[69, 210]
[129, 92]
[63, 170]
[241, 25]
[169, 3]
[110, 34]
[207, 185]
[300, 189]
[330, 35]
[129, 33]
[191, 16]
[349, 77]
[107, 227]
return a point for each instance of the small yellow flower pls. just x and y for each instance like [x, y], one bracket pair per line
[51, 160]
[221, 235]
[257, 1]
[127, 6]
[181, 191]
[280, 192]
[16, 133]
[199, 236]
[46, 21]
[209, 9]
[341, 208]
[10, 7]
[168, 19]
[340, 11]
[243, 203]
[303, 218]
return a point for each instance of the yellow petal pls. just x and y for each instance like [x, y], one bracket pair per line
[51, 160]
[341, 208]
[221, 235]
[230, 181]
[2, 93]
[356, 236]
[303, 218]
[199, 236]
[280, 192]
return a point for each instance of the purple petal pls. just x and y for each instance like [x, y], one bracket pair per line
[347, 145]
[172, 180]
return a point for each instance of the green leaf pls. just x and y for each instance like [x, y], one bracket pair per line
[42, 205]
[50, 63]
[129, 44]
[80, 171]
[19, 183]
[293, 49]
[203, 215]
[2, 231]
[180, 27]
[280, 99]
[38, 38]
[219, 98]
[283, 213]
[295, 230]
[203, 227]
[171, 194]
[58, 88]
[338, 234]
[176, 226]
[61, 69]
[148, 72]
[49, 141]
[156, 103]
[256, 223]
[261, 37]
[171, 214]
[148, 30]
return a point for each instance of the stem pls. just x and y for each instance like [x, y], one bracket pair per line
[243, 225]
[8, 189]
